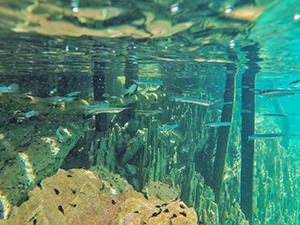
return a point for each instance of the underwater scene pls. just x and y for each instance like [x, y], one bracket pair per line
[158, 112]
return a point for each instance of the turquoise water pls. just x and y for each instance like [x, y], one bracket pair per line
[199, 95]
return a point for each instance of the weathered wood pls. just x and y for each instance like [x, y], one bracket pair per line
[99, 89]
[248, 129]
[224, 132]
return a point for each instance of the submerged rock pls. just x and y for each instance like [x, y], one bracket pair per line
[76, 197]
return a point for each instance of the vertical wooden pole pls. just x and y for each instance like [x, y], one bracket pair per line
[99, 89]
[224, 132]
[248, 129]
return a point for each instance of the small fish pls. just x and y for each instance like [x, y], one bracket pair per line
[9, 89]
[150, 82]
[148, 112]
[130, 90]
[99, 104]
[265, 136]
[295, 84]
[72, 94]
[169, 127]
[31, 114]
[274, 114]
[191, 100]
[53, 91]
[219, 124]
[102, 109]
[59, 99]
[106, 95]
[276, 92]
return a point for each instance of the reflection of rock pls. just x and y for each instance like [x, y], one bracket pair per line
[164, 28]
[101, 14]
[50, 19]
[75, 197]
[246, 13]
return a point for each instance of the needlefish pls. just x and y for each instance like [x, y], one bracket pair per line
[169, 127]
[268, 136]
[99, 108]
[149, 82]
[295, 84]
[275, 92]
[191, 100]
[218, 124]
[9, 89]
[130, 90]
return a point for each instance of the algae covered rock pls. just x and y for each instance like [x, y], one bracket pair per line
[112, 183]
[33, 151]
[77, 197]
[160, 190]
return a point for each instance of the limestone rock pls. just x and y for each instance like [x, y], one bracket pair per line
[76, 197]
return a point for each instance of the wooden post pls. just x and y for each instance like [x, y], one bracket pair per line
[99, 89]
[224, 132]
[248, 129]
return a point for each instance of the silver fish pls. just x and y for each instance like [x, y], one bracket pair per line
[130, 90]
[168, 127]
[191, 100]
[266, 136]
[276, 92]
[9, 89]
[102, 109]
[219, 124]
[150, 82]
[295, 84]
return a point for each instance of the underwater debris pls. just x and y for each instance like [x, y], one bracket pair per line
[62, 133]
[9, 89]
[265, 136]
[191, 100]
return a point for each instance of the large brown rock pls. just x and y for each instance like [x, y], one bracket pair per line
[77, 197]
